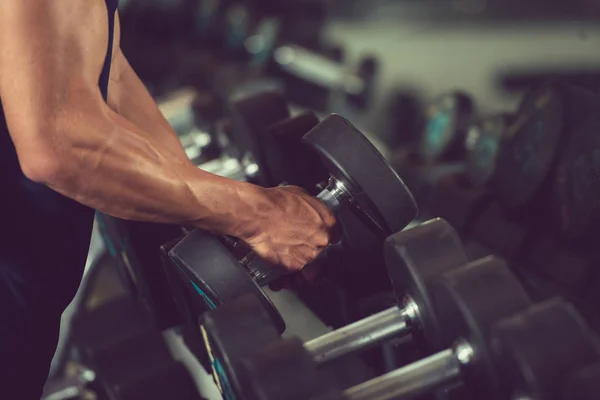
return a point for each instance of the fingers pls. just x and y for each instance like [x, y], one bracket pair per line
[298, 258]
[292, 259]
[321, 240]
[328, 218]
[324, 212]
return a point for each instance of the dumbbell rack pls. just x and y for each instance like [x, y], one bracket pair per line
[480, 328]
[549, 261]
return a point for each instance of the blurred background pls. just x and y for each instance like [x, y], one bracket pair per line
[492, 49]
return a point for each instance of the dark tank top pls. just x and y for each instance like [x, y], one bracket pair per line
[44, 236]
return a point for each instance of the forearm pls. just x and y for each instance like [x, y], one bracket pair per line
[111, 165]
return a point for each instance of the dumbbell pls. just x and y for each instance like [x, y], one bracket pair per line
[576, 181]
[548, 152]
[461, 195]
[535, 351]
[525, 355]
[413, 265]
[230, 345]
[437, 151]
[446, 184]
[448, 119]
[482, 143]
[359, 180]
[543, 343]
[530, 146]
[299, 66]
[467, 302]
[416, 257]
[269, 141]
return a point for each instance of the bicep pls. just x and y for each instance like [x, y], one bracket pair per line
[51, 56]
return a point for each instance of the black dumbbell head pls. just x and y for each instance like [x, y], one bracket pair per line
[285, 370]
[415, 258]
[538, 348]
[447, 119]
[530, 146]
[468, 301]
[232, 332]
[351, 159]
[251, 115]
[287, 159]
[207, 265]
[576, 182]
[483, 145]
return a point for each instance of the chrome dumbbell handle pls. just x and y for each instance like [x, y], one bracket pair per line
[421, 377]
[334, 195]
[367, 332]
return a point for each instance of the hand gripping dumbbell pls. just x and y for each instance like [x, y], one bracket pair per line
[359, 180]
[473, 296]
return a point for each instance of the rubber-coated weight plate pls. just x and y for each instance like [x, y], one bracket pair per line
[483, 144]
[535, 349]
[468, 301]
[251, 116]
[284, 370]
[237, 330]
[215, 274]
[577, 180]
[447, 119]
[351, 159]
[578, 189]
[530, 146]
[286, 158]
[417, 256]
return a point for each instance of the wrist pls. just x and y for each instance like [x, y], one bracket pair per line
[228, 207]
[249, 207]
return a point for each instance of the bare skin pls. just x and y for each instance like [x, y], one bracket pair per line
[122, 158]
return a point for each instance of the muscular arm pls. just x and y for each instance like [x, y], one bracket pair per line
[68, 138]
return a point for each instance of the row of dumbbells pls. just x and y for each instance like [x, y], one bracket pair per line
[283, 42]
[523, 184]
[472, 321]
[541, 153]
[198, 273]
